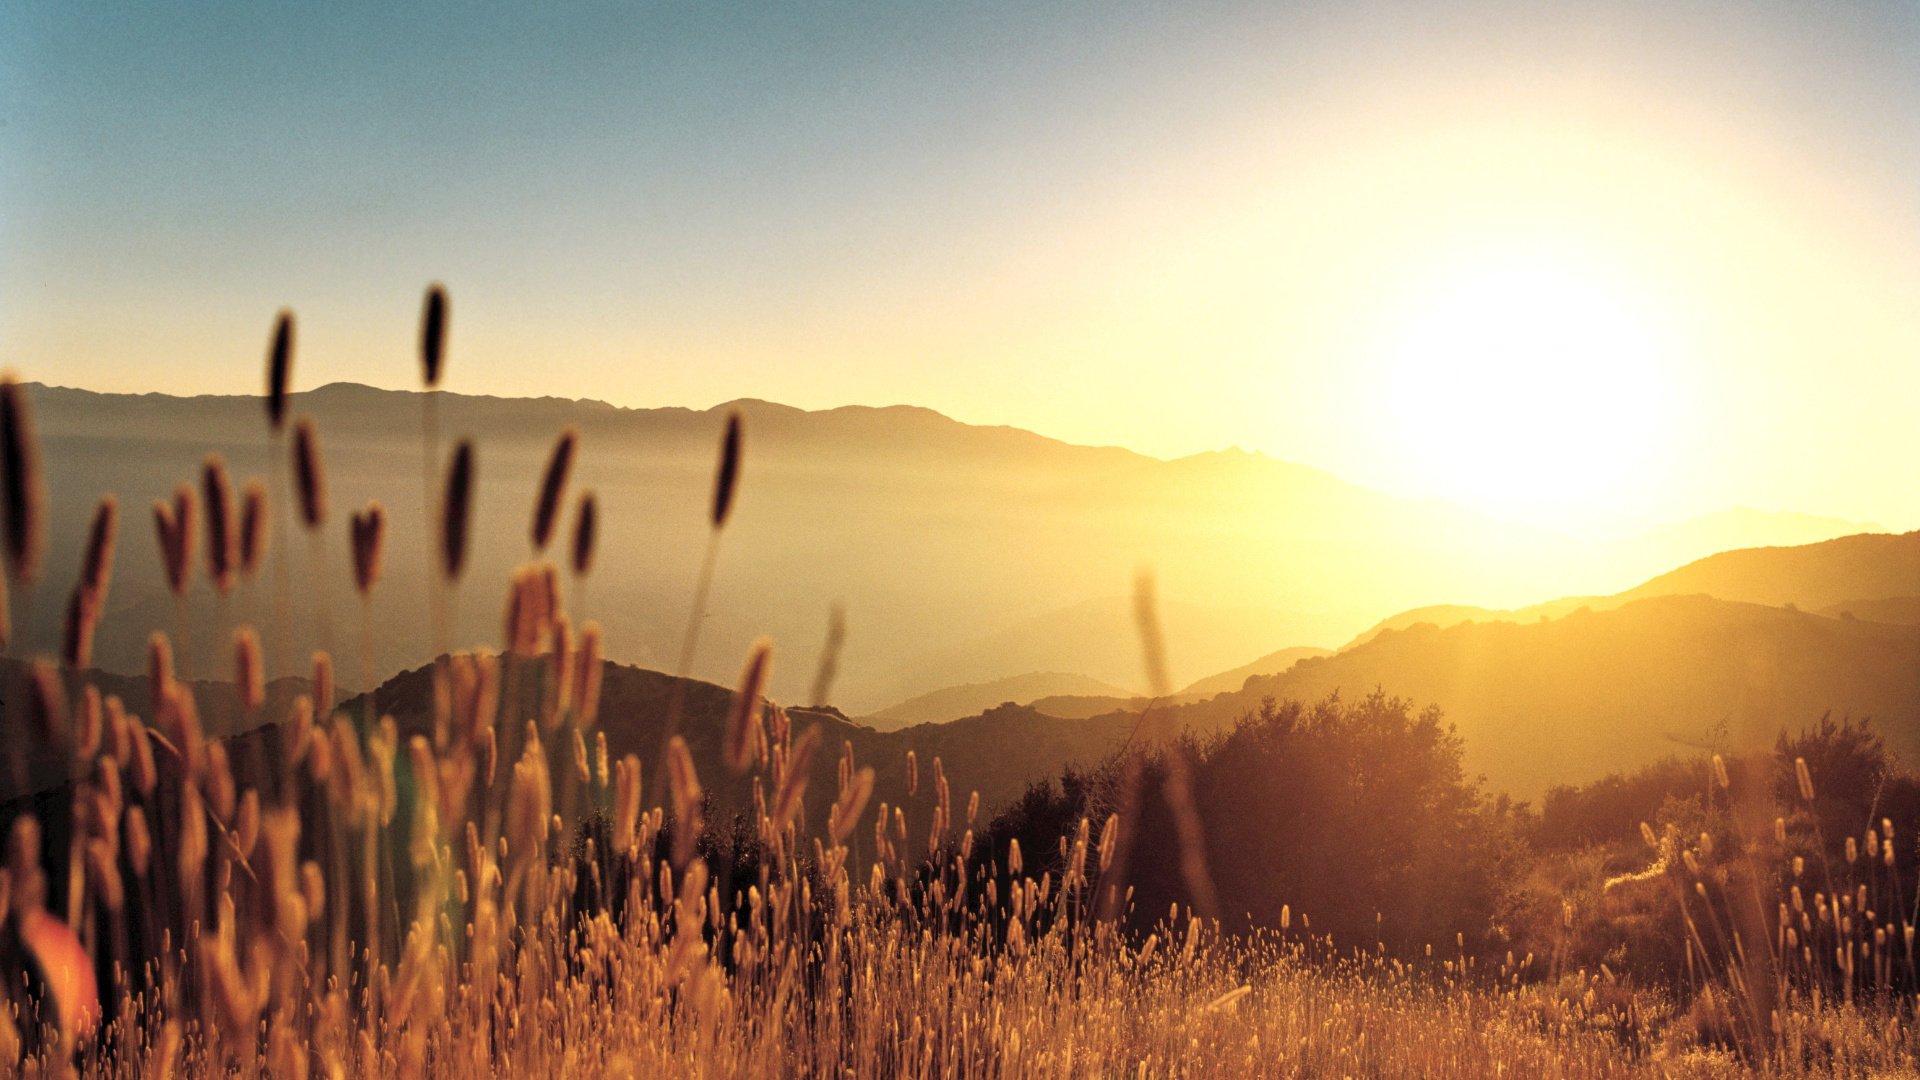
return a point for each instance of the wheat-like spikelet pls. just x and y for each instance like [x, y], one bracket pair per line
[684, 786]
[323, 692]
[553, 486]
[793, 782]
[216, 493]
[367, 528]
[137, 841]
[309, 474]
[217, 780]
[177, 716]
[249, 672]
[159, 666]
[456, 511]
[96, 571]
[279, 369]
[76, 633]
[851, 804]
[113, 728]
[142, 771]
[585, 528]
[46, 702]
[529, 800]
[530, 608]
[89, 598]
[433, 334]
[626, 801]
[89, 725]
[727, 477]
[174, 526]
[253, 527]
[21, 485]
[744, 715]
[560, 670]
[590, 669]
[830, 655]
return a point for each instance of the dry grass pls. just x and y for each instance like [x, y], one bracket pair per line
[431, 906]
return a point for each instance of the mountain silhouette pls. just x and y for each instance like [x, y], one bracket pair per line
[961, 553]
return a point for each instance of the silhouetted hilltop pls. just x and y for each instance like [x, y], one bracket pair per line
[1899, 610]
[973, 698]
[1811, 576]
[1875, 576]
[1274, 663]
[997, 752]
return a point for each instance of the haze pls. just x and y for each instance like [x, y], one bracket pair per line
[1591, 269]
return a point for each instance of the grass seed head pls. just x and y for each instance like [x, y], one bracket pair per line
[590, 669]
[553, 487]
[367, 529]
[585, 529]
[727, 477]
[309, 474]
[279, 369]
[249, 671]
[456, 512]
[96, 571]
[253, 527]
[77, 628]
[174, 525]
[744, 714]
[216, 492]
[21, 487]
[433, 334]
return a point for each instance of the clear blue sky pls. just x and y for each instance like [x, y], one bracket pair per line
[1114, 222]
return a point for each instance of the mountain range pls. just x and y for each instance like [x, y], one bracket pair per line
[962, 554]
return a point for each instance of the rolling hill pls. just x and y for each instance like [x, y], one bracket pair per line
[1274, 663]
[1570, 699]
[974, 698]
[1811, 576]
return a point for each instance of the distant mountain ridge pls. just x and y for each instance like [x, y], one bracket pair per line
[1723, 648]
[1865, 575]
[961, 553]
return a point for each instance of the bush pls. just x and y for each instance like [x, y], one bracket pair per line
[1355, 815]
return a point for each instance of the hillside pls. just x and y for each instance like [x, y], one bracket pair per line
[1875, 576]
[1273, 663]
[1445, 615]
[974, 698]
[974, 750]
[26, 765]
[1809, 576]
[1899, 610]
[1570, 699]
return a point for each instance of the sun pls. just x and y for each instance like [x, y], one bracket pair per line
[1530, 386]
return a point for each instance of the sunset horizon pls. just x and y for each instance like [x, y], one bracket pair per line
[960, 541]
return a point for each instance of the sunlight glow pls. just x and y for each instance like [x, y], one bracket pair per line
[1526, 385]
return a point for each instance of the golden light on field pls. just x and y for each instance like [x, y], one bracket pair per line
[1523, 382]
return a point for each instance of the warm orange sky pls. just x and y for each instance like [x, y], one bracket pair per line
[1592, 269]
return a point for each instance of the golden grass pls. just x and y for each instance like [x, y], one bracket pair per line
[557, 922]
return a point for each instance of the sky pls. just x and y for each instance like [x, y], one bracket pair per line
[1588, 264]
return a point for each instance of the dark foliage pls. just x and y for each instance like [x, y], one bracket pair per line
[1355, 815]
